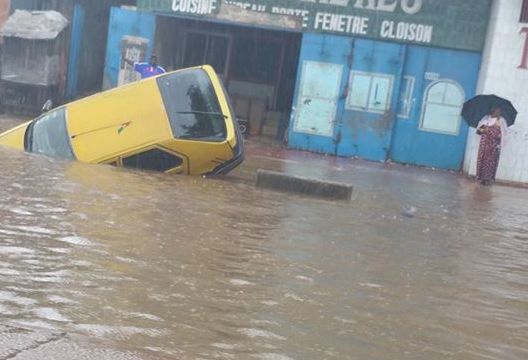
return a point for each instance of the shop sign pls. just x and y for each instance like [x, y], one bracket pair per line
[431, 76]
[184, 7]
[443, 23]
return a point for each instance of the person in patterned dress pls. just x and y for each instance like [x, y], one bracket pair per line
[492, 130]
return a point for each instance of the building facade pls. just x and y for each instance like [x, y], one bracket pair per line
[393, 89]
[377, 79]
[255, 54]
[505, 73]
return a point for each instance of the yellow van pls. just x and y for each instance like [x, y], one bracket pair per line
[180, 122]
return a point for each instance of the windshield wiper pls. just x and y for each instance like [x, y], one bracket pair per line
[202, 113]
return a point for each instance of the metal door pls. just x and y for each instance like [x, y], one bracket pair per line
[429, 130]
[373, 83]
[318, 97]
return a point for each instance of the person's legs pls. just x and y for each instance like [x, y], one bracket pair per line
[481, 159]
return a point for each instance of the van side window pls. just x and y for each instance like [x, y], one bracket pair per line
[48, 135]
[155, 160]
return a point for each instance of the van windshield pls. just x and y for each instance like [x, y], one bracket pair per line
[192, 106]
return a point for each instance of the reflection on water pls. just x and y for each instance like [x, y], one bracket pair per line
[415, 267]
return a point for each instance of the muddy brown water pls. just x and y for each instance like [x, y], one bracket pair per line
[418, 265]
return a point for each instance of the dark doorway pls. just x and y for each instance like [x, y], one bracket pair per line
[91, 59]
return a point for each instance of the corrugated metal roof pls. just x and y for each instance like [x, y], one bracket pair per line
[34, 25]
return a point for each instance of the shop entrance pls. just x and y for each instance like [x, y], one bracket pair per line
[258, 66]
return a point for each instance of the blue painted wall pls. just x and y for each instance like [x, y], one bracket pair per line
[125, 22]
[413, 145]
[373, 80]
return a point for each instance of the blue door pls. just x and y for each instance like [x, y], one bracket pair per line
[318, 102]
[130, 35]
[371, 99]
[429, 130]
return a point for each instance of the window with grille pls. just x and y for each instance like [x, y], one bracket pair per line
[443, 101]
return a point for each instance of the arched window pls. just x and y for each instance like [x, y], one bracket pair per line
[443, 101]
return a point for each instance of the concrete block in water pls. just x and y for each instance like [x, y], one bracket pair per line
[301, 185]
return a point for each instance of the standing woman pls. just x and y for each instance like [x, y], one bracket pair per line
[492, 130]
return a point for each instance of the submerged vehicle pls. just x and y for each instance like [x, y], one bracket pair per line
[180, 122]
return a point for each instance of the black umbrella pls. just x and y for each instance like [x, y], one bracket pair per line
[481, 105]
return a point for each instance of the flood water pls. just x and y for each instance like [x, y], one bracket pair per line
[416, 266]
